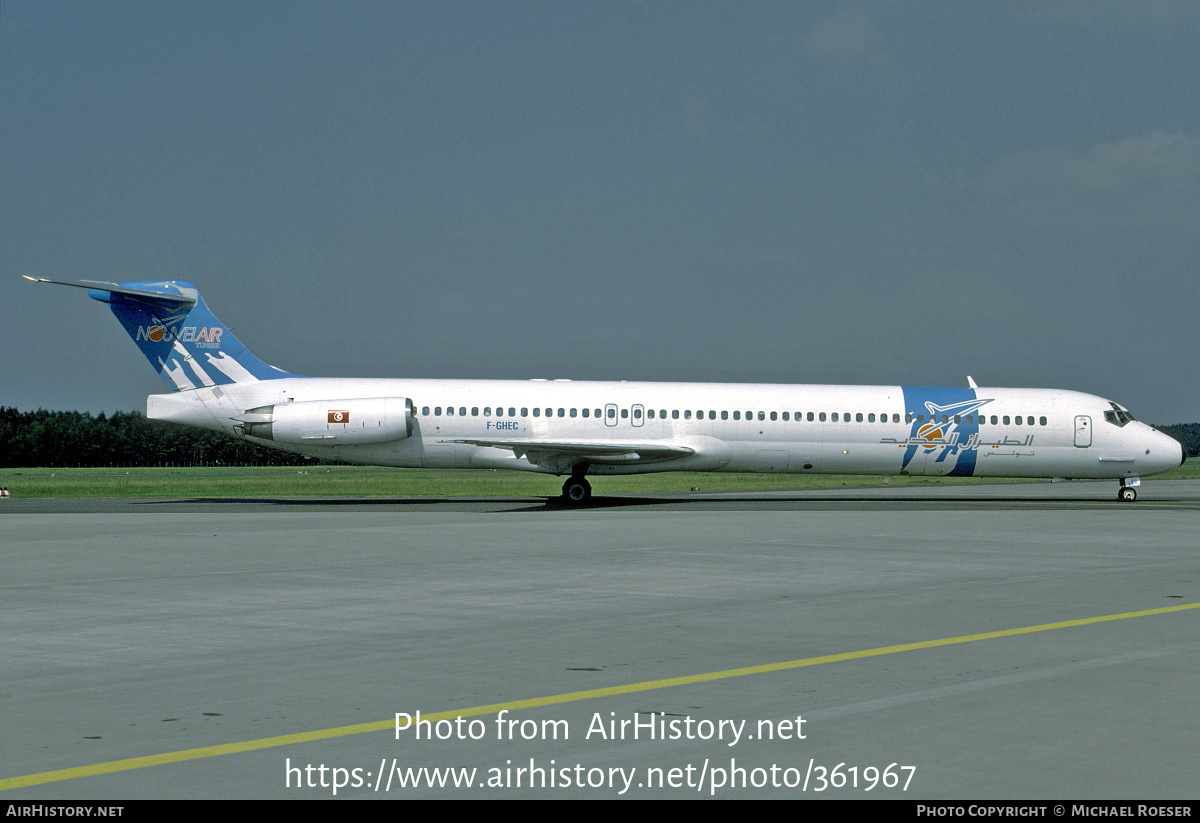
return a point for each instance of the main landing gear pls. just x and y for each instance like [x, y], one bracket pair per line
[1127, 493]
[576, 491]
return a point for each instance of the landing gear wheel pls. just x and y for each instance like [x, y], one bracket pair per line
[577, 491]
[1127, 494]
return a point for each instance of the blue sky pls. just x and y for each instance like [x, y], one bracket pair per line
[817, 192]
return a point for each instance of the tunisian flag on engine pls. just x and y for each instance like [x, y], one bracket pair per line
[339, 416]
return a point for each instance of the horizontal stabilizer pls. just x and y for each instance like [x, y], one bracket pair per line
[154, 292]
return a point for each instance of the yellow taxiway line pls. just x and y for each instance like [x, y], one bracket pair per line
[550, 700]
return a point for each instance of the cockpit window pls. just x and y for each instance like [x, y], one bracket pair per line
[1118, 416]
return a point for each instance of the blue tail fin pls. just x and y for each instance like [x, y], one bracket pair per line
[180, 337]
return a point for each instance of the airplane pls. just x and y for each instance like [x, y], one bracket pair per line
[576, 428]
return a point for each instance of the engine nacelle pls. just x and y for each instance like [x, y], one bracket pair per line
[331, 422]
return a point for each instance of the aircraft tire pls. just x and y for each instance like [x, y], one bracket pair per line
[1127, 494]
[576, 491]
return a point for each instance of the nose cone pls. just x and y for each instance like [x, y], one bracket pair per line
[1163, 453]
[1156, 452]
[1172, 447]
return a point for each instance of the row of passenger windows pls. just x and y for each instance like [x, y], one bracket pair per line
[700, 414]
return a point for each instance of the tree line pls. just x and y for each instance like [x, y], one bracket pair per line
[71, 438]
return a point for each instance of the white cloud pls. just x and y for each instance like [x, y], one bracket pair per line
[698, 123]
[1152, 160]
[848, 36]
[1146, 182]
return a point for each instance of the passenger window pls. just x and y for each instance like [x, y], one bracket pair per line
[1006, 419]
[674, 414]
[524, 411]
[487, 411]
[573, 412]
[724, 415]
[908, 418]
[1018, 419]
[822, 417]
[810, 417]
[871, 417]
[624, 414]
[785, 416]
[687, 414]
[512, 412]
[834, 417]
[437, 411]
[586, 412]
[612, 414]
[1042, 420]
[650, 414]
[549, 412]
[537, 412]
[450, 410]
[774, 416]
[562, 412]
[737, 415]
[637, 414]
[858, 417]
[957, 418]
[762, 416]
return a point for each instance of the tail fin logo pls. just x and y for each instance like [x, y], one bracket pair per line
[202, 337]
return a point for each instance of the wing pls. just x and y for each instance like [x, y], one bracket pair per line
[543, 452]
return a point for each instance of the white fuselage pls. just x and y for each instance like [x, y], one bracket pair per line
[885, 430]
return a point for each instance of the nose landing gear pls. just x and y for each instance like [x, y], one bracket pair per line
[1127, 493]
